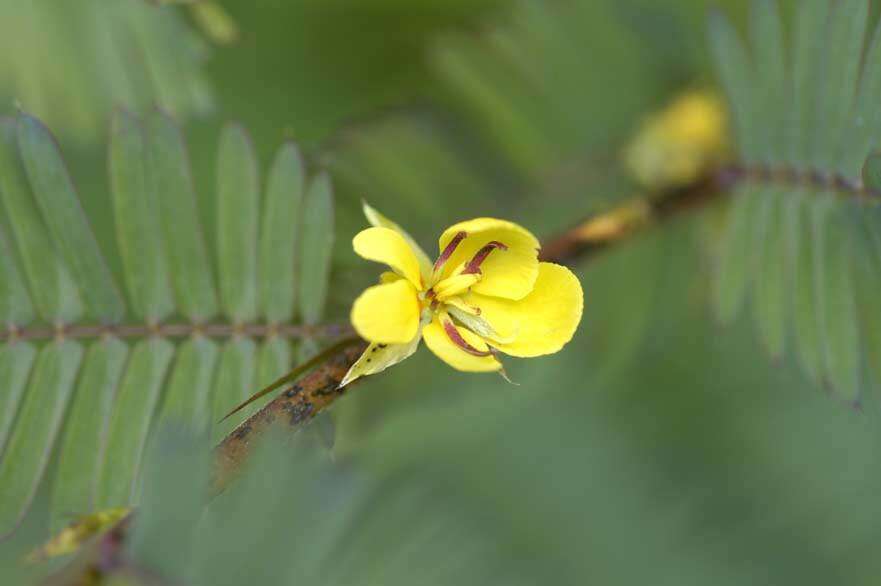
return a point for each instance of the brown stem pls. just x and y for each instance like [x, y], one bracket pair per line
[172, 330]
[618, 224]
[295, 407]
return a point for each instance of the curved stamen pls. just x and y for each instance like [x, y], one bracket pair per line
[449, 250]
[473, 266]
[457, 339]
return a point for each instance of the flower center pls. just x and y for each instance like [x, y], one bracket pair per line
[448, 289]
[462, 280]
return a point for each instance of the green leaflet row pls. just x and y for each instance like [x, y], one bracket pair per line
[78, 409]
[803, 254]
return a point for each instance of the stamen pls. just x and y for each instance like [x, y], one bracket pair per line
[454, 285]
[457, 339]
[473, 266]
[449, 250]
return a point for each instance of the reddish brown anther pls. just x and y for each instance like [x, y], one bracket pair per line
[457, 339]
[473, 266]
[449, 250]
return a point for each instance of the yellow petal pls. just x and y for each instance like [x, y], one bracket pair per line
[380, 221]
[543, 321]
[439, 342]
[378, 357]
[507, 273]
[387, 246]
[387, 314]
[452, 286]
[389, 277]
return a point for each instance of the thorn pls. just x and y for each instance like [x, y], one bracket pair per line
[504, 374]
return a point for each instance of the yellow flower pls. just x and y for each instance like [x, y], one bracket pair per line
[487, 293]
[681, 143]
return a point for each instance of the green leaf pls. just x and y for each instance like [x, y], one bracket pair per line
[234, 383]
[733, 274]
[82, 443]
[317, 244]
[770, 271]
[841, 62]
[182, 234]
[279, 230]
[837, 315]
[237, 217]
[54, 293]
[136, 217]
[99, 462]
[177, 472]
[138, 55]
[808, 46]
[16, 360]
[865, 125]
[38, 424]
[735, 72]
[130, 422]
[867, 283]
[66, 221]
[189, 390]
[157, 35]
[801, 252]
[767, 40]
[802, 246]
[15, 303]
[115, 73]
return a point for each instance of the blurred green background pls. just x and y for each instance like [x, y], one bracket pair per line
[658, 447]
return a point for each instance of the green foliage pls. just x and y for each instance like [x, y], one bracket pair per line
[796, 236]
[79, 401]
[317, 238]
[655, 449]
[284, 198]
[81, 447]
[191, 274]
[40, 416]
[145, 55]
[137, 221]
